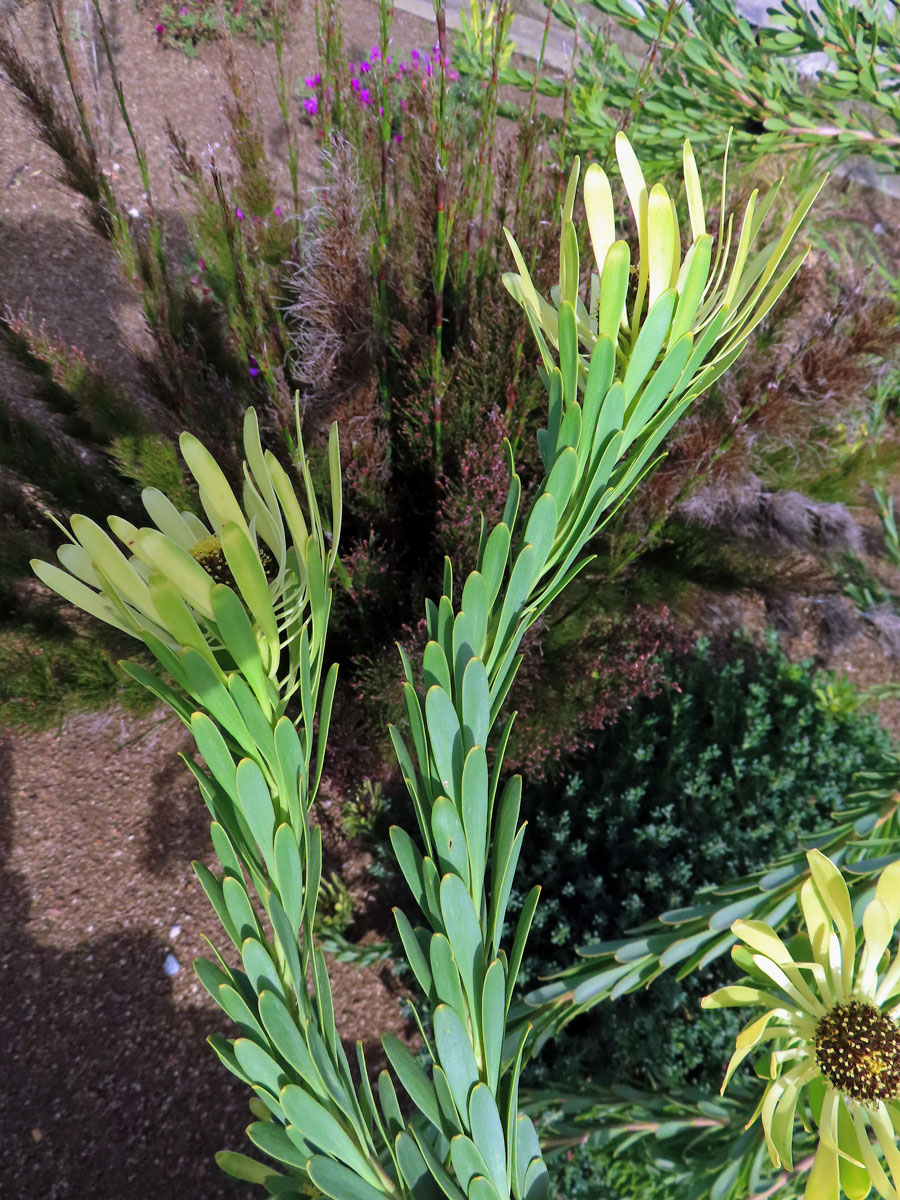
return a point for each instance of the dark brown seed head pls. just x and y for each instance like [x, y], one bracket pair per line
[858, 1051]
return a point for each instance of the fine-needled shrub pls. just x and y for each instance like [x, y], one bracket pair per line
[714, 777]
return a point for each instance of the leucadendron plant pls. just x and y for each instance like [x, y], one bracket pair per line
[235, 611]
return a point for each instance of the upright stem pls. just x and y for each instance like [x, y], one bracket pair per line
[284, 102]
[442, 232]
[384, 131]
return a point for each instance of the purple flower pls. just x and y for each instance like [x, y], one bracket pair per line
[374, 54]
[311, 105]
[201, 263]
[354, 84]
[182, 12]
[160, 29]
[454, 76]
[277, 211]
[253, 365]
[381, 111]
[364, 68]
[415, 56]
[365, 96]
[239, 214]
[388, 61]
[398, 138]
[312, 81]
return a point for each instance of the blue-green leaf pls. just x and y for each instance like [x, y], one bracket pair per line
[416, 1083]
[320, 1128]
[341, 1182]
[456, 1057]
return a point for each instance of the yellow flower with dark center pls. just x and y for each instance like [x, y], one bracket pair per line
[829, 1021]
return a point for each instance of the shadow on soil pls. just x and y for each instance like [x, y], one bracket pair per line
[109, 1091]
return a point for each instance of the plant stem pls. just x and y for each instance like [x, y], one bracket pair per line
[442, 230]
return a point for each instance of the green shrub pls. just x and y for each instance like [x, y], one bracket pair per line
[711, 778]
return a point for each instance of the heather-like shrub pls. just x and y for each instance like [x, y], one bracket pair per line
[713, 777]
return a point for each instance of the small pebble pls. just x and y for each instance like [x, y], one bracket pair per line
[174, 932]
[37, 1135]
[171, 966]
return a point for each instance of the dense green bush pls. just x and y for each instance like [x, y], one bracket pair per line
[708, 780]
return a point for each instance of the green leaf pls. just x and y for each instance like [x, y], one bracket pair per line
[482, 1189]
[449, 839]
[272, 1139]
[541, 528]
[487, 1132]
[493, 1020]
[649, 342]
[537, 1181]
[260, 969]
[691, 283]
[560, 485]
[445, 739]
[455, 1054]
[466, 1160]
[288, 1040]
[239, 907]
[521, 581]
[528, 1149]
[414, 954]
[436, 669]
[235, 1006]
[225, 852]
[441, 1177]
[340, 1182]
[500, 897]
[320, 1128]
[239, 1166]
[291, 767]
[258, 1065]
[411, 863]
[415, 1082]
[255, 720]
[493, 563]
[175, 616]
[213, 889]
[240, 641]
[523, 925]
[568, 357]
[173, 561]
[289, 875]
[476, 605]
[445, 972]
[256, 805]
[613, 290]
[475, 811]
[214, 750]
[390, 1106]
[464, 931]
[414, 1169]
[476, 706]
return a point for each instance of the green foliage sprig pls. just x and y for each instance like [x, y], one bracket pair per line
[706, 70]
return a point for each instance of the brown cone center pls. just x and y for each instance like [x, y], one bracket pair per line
[858, 1051]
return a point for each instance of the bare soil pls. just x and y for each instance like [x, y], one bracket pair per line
[107, 1088]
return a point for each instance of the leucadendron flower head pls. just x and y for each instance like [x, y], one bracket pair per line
[829, 1025]
[689, 318]
[237, 588]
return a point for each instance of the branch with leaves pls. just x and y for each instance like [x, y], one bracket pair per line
[235, 611]
[706, 69]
